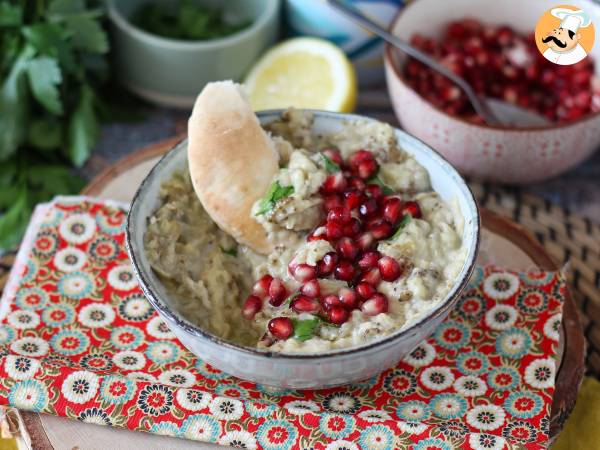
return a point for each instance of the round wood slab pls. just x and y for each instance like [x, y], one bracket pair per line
[504, 243]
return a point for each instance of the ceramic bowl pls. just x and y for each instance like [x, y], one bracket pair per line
[298, 370]
[171, 72]
[508, 155]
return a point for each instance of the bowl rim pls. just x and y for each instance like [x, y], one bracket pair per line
[389, 60]
[258, 24]
[196, 331]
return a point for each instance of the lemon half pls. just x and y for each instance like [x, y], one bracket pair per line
[304, 73]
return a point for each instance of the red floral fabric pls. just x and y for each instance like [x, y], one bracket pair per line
[79, 340]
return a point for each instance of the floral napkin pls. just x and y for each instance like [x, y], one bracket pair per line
[78, 339]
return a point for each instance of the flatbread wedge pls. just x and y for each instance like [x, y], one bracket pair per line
[232, 161]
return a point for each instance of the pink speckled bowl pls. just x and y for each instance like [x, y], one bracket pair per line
[507, 155]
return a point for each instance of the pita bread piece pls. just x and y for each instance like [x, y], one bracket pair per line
[232, 161]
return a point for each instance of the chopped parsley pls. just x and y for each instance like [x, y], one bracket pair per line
[405, 219]
[330, 166]
[231, 251]
[305, 329]
[276, 192]
[384, 187]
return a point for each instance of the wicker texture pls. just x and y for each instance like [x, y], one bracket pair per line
[568, 238]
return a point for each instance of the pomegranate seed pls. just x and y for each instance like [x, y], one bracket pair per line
[302, 304]
[261, 287]
[365, 241]
[353, 199]
[374, 190]
[338, 315]
[347, 248]
[341, 215]
[365, 290]
[304, 272]
[367, 169]
[352, 228]
[368, 207]
[327, 264]
[381, 229]
[344, 270]
[334, 230]
[320, 233]
[392, 209]
[332, 201]
[311, 289]
[371, 276]
[413, 209]
[369, 260]
[377, 304]
[358, 183]
[348, 298]
[330, 301]
[359, 156]
[281, 327]
[334, 155]
[334, 183]
[277, 292]
[251, 306]
[389, 268]
[313, 237]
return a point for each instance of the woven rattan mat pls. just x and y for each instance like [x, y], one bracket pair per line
[568, 238]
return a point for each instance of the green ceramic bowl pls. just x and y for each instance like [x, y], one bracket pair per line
[172, 72]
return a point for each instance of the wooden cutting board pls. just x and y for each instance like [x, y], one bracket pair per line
[504, 243]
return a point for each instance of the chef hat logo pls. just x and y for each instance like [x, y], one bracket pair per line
[565, 34]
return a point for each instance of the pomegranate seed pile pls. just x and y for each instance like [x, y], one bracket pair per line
[359, 212]
[498, 62]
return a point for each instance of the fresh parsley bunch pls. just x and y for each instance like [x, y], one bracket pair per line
[52, 58]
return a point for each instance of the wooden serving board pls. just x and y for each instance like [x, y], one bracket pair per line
[504, 243]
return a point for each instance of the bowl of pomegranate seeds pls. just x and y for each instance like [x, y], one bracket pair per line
[491, 44]
[374, 235]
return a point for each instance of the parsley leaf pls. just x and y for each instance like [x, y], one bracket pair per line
[384, 187]
[231, 251]
[14, 221]
[305, 329]
[44, 77]
[45, 134]
[83, 128]
[275, 193]
[14, 106]
[10, 15]
[405, 219]
[330, 166]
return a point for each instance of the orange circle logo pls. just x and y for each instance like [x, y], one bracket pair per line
[565, 35]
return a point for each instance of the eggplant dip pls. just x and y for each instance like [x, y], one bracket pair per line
[361, 246]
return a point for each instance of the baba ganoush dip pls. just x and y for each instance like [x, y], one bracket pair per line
[363, 247]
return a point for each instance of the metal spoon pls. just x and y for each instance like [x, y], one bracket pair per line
[493, 111]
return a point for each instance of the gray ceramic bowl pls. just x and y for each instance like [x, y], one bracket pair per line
[171, 72]
[292, 370]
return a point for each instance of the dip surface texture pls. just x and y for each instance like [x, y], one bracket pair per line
[208, 275]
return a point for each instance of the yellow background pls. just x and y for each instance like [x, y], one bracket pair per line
[548, 22]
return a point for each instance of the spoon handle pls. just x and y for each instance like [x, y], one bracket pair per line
[352, 13]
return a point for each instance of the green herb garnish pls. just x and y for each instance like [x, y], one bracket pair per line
[330, 166]
[289, 300]
[185, 20]
[305, 329]
[231, 251]
[405, 219]
[52, 63]
[275, 193]
[384, 187]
